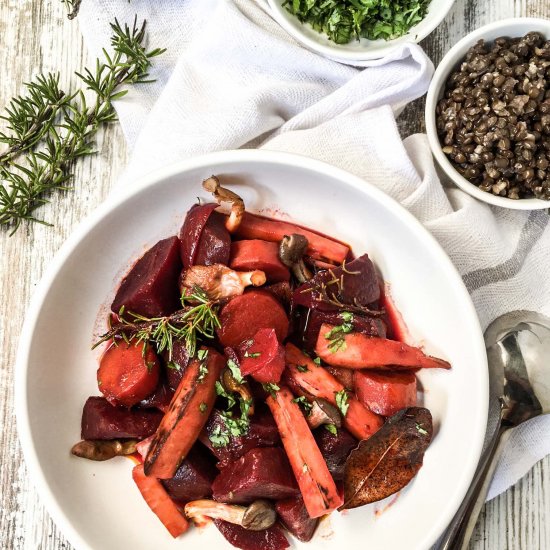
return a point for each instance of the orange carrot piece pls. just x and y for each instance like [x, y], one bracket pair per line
[359, 351]
[318, 382]
[310, 469]
[320, 247]
[160, 502]
[187, 414]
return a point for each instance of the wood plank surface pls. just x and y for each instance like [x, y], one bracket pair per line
[36, 37]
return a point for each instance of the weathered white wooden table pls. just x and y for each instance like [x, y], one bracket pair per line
[35, 37]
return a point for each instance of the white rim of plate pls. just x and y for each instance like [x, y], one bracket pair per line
[149, 180]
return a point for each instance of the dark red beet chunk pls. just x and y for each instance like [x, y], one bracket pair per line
[268, 539]
[151, 287]
[194, 477]
[260, 473]
[244, 315]
[177, 365]
[335, 449]
[100, 420]
[191, 231]
[214, 243]
[360, 286]
[263, 432]
[295, 518]
[160, 398]
[281, 291]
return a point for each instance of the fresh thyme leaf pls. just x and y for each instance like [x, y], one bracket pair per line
[346, 20]
[190, 324]
[342, 401]
[48, 129]
[271, 388]
[304, 403]
[331, 428]
[252, 355]
[301, 368]
[235, 371]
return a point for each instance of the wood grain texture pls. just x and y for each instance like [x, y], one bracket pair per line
[36, 37]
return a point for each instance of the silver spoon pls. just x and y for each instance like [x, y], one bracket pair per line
[510, 347]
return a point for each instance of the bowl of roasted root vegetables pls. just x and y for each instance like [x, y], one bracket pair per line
[251, 350]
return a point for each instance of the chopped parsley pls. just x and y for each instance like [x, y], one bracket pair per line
[150, 366]
[220, 390]
[173, 365]
[301, 368]
[305, 404]
[305, 468]
[317, 360]
[336, 334]
[252, 355]
[202, 356]
[271, 388]
[202, 407]
[235, 371]
[232, 427]
[331, 428]
[342, 401]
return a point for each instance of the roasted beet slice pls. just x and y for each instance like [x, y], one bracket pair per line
[260, 473]
[151, 286]
[244, 315]
[268, 539]
[193, 478]
[356, 284]
[100, 420]
[191, 231]
[262, 433]
[335, 449]
[175, 367]
[281, 291]
[160, 398]
[294, 516]
[214, 243]
[252, 254]
[263, 357]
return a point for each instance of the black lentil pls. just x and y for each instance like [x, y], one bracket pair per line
[494, 117]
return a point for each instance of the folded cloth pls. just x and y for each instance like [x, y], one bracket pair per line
[231, 78]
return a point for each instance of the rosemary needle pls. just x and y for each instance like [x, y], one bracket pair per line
[49, 129]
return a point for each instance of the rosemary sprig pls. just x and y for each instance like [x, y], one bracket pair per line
[189, 324]
[48, 129]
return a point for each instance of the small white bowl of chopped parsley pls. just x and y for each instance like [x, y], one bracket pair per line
[353, 31]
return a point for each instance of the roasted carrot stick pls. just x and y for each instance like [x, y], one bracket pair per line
[160, 502]
[319, 247]
[358, 351]
[310, 469]
[186, 415]
[317, 381]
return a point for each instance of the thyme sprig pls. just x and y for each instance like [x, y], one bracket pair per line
[48, 129]
[190, 324]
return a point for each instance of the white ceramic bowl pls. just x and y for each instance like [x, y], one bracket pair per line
[507, 27]
[362, 50]
[96, 504]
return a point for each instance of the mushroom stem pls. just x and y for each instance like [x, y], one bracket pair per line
[257, 516]
[222, 194]
[103, 449]
[323, 412]
[254, 278]
[291, 252]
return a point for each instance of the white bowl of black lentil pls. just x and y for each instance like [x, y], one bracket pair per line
[352, 33]
[488, 114]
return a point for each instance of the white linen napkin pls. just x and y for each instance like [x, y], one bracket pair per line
[232, 78]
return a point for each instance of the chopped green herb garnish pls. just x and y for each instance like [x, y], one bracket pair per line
[342, 401]
[421, 430]
[235, 371]
[302, 368]
[305, 468]
[331, 428]
[202, 407]
[202, 354]
[306, 405]
[203, 369]
[220, 390]
[336, 334]
[150, 365]
[317, 360]
[346, 20]
[252, 355]
[271, 388]
[173, 365]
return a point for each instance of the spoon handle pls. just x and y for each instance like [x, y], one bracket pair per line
[460, 529]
